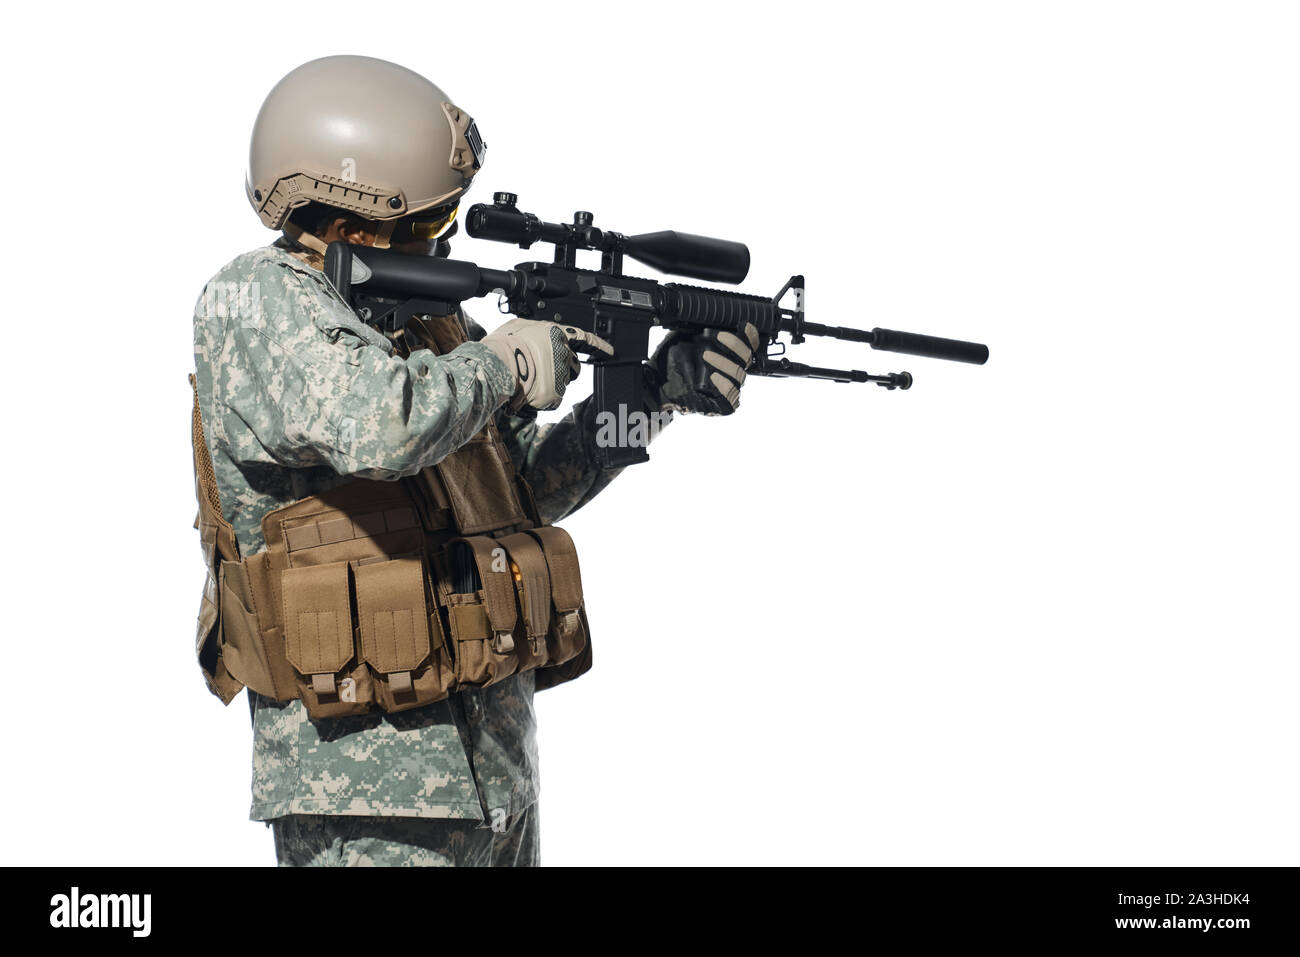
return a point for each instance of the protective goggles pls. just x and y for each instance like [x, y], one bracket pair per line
[424, 227]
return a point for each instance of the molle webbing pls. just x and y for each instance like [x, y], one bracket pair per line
[345, 528]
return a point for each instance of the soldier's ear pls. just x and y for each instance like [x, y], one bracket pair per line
[331, 230]
[349, 230]
[355, 231]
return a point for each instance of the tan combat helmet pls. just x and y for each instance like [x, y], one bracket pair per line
[363, 135]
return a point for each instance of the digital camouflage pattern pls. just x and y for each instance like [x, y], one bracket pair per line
[404, 842]
[297, 396]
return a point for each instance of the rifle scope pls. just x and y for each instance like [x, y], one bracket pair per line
[669, 251]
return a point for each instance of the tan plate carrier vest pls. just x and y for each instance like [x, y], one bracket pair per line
[366, 596]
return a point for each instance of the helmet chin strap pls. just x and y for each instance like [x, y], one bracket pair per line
[384, 234]
[304, 238]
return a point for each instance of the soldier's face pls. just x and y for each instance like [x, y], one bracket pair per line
[355, 232]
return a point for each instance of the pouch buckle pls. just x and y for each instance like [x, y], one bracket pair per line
[323, 684]
[503, 642]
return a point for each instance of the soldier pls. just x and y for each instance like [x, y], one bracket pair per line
[376, 514]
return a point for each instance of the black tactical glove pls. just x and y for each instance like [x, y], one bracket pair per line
[701, 371]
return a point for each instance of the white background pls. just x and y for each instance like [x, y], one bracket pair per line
[1038, 612]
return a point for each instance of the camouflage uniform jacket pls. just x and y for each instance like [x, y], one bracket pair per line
[297, 396]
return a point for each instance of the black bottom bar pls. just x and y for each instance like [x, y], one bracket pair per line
[1230, 909]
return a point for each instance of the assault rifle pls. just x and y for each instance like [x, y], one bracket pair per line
[388, 288]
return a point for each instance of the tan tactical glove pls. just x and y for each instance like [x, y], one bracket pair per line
[541, 355]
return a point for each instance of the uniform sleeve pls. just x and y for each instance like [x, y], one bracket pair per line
[557, 459]
[304, 388]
